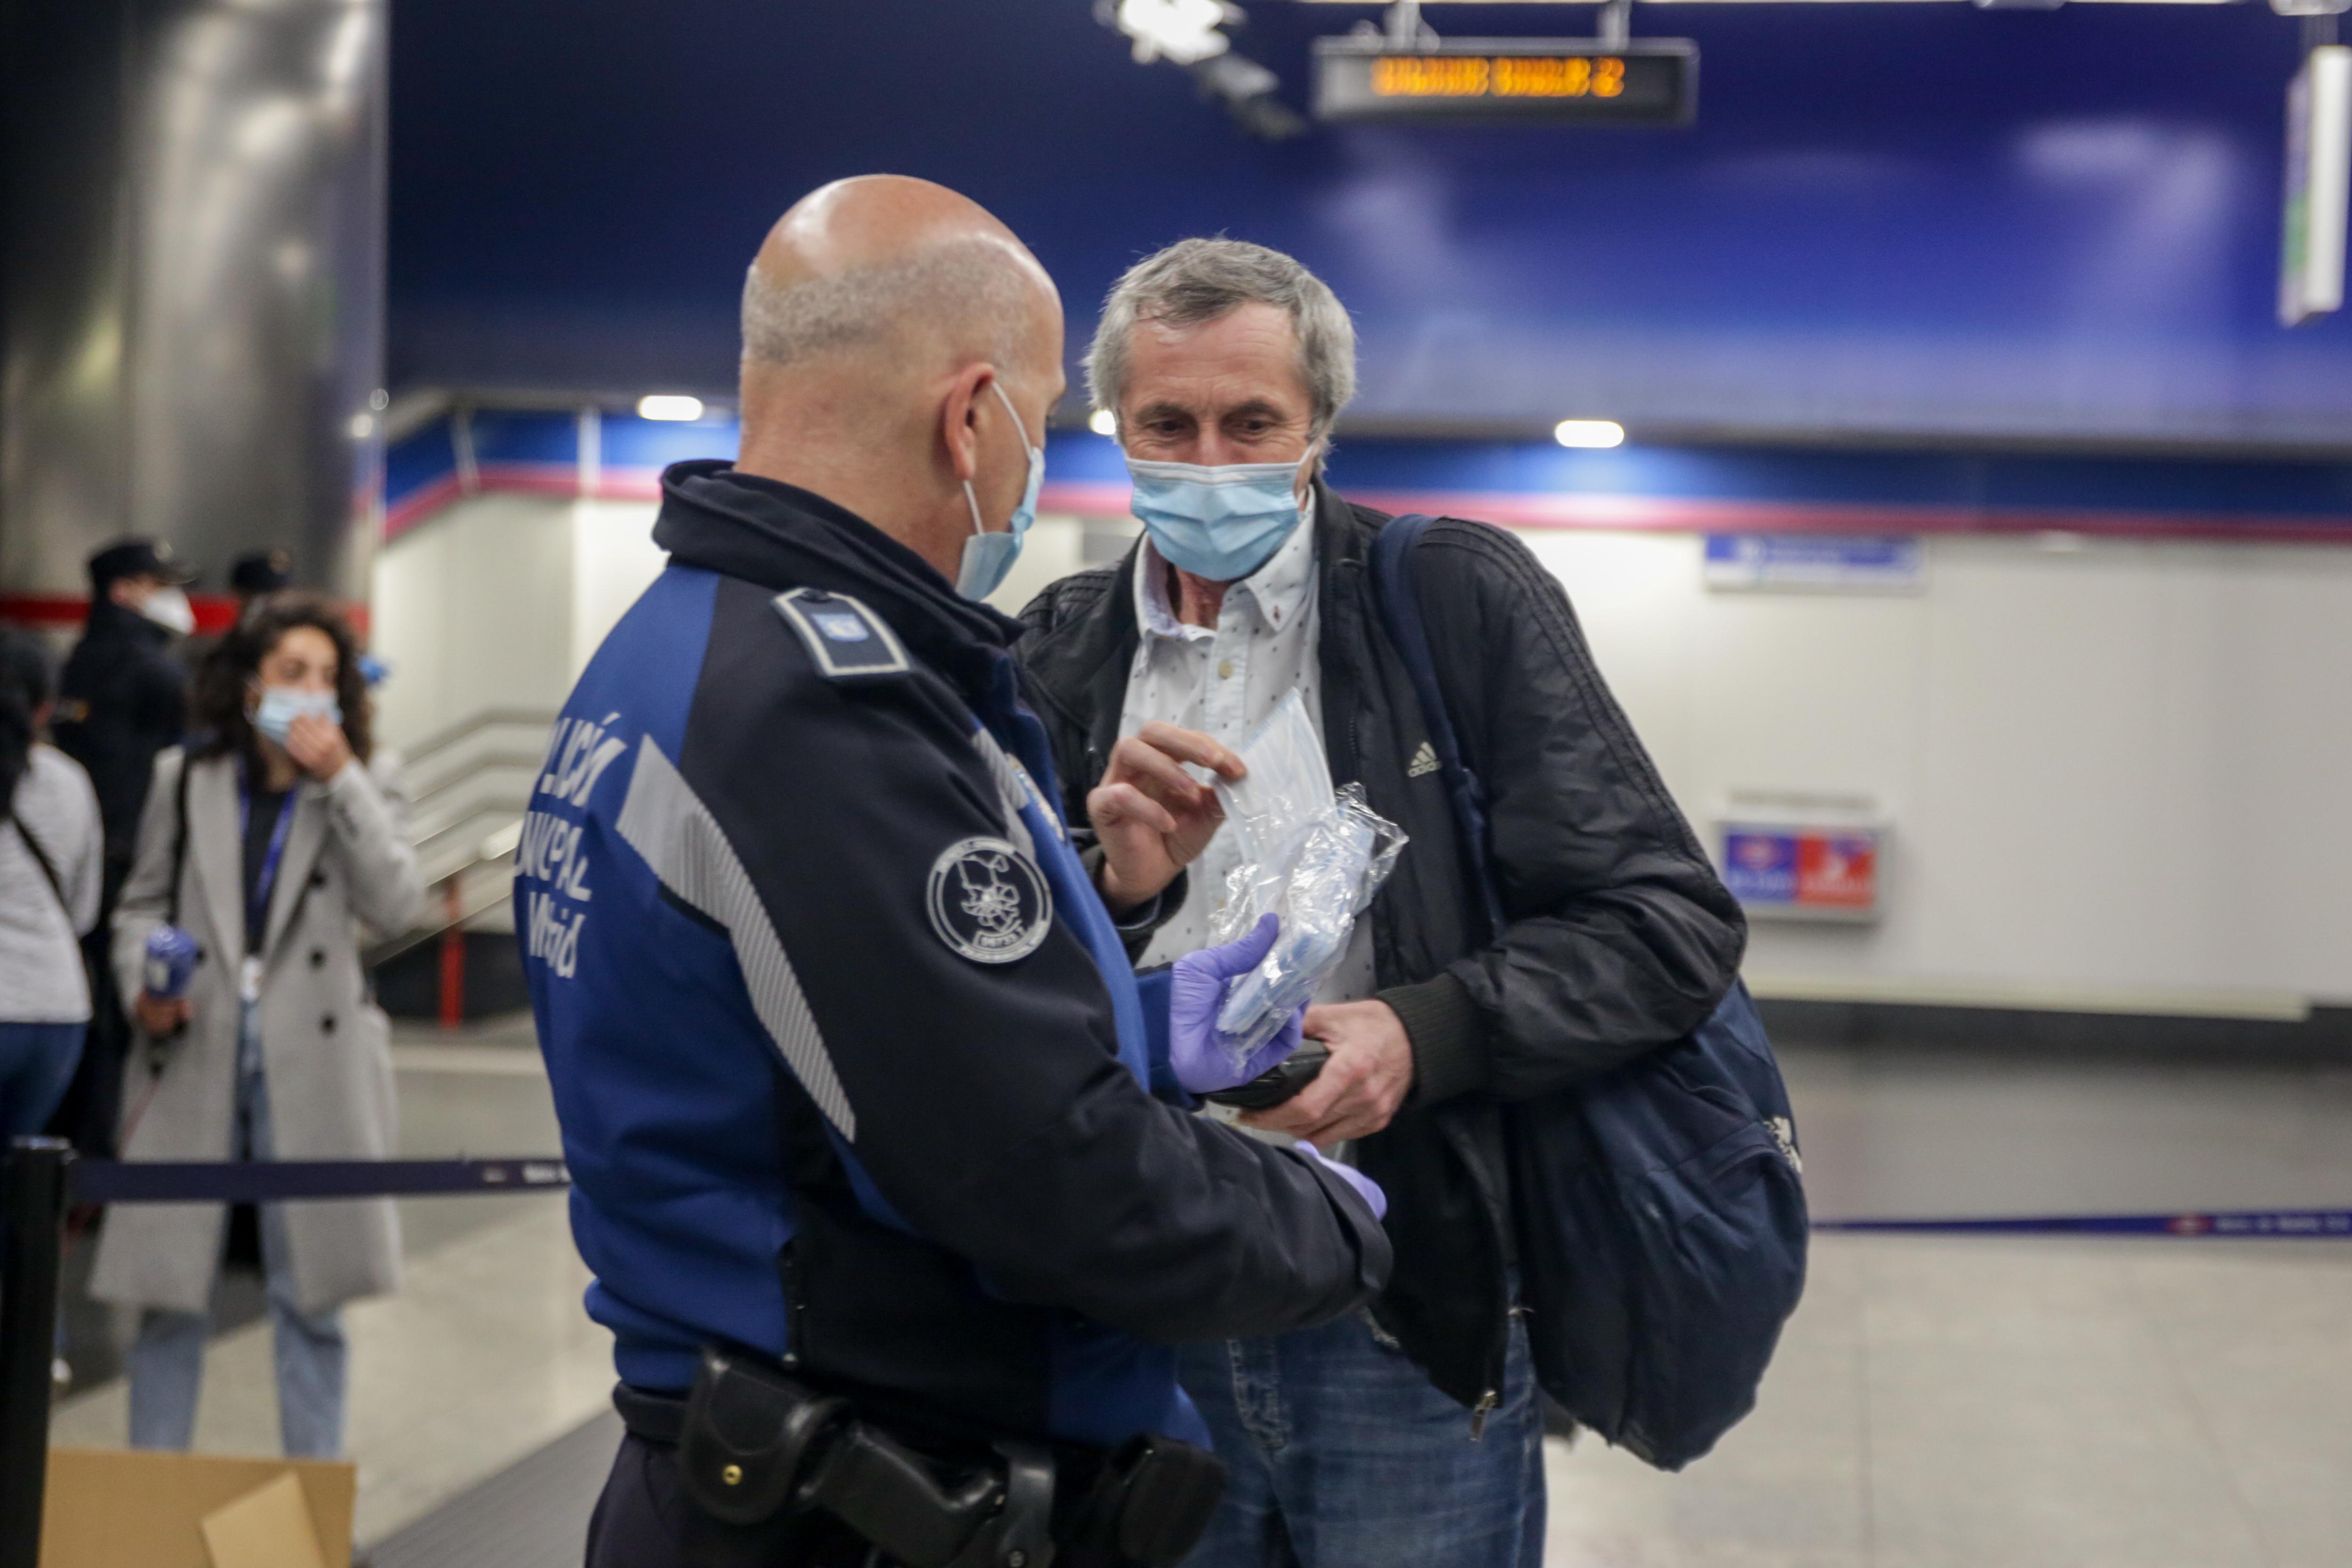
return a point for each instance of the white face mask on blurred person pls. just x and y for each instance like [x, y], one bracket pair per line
[168, 607]
[279, 707]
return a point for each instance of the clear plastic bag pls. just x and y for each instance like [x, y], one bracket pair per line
[1312, 854]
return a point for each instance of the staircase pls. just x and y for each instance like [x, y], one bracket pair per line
[468, 787]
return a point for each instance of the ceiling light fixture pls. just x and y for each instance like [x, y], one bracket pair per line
[1102, 422]
[675, 406]
[1186, 32]
[1588, 432]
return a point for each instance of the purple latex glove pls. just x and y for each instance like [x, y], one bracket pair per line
[1195, 992]
[1365, 1187]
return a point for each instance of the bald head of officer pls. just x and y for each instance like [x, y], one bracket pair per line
[901, 350]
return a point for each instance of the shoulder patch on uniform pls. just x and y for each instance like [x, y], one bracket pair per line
[848, 641]
[988, 901]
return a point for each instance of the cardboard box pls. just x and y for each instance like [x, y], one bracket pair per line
[119, 1509]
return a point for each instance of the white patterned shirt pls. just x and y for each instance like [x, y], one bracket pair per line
[1224, 680]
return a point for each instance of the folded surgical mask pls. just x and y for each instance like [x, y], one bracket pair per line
[281, 706]
[987, 557]
[169, 608]
[1312, 854]
[1220, 524]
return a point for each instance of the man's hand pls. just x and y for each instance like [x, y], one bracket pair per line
[1360, 1089]
[318, 746]
[159, 1016]
[1150, 815]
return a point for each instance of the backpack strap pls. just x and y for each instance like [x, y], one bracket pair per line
[1401, 614]
[179, 842]
[41, 859]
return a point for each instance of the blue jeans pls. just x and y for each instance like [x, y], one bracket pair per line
[167, 1360]
[1340, 1454]
[36, 1063]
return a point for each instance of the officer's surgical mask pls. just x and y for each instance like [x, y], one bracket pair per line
[1220, 524]
[987, 557]
[281, 706]
[168, 607]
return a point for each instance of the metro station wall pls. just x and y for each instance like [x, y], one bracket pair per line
[2114, 773]
[474, 608]
[1926, 218]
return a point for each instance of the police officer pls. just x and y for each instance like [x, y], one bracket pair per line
[260, 572]
[856, 1082]
[121, 699]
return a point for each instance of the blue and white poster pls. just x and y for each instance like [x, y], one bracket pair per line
[1832, 563]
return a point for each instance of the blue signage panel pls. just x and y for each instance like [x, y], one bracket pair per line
[1837, 562]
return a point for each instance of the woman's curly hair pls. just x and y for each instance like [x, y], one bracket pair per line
[216, 705]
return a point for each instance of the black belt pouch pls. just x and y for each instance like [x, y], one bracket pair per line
[1149, 1507]
[747, 1436]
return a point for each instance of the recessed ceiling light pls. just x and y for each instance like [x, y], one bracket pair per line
[1102, 422]
[1588, 432]
[669, 405]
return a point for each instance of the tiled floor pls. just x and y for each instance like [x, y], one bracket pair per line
[1936, 1402]
[485, 1355]
[2015, 1404]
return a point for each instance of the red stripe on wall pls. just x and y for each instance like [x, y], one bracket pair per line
[215, 613]
[1658, 514]
[1668, 514]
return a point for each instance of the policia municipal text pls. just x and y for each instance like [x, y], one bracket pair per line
[882, 1152]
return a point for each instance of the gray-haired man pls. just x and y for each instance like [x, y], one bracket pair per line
[1410, 1434]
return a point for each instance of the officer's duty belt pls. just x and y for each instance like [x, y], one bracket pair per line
[753, 1442]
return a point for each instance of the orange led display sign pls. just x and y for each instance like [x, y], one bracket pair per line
[1649, 82]
[1487, 76]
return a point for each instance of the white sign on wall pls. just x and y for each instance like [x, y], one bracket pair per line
[1837, 563]
[2318, 186]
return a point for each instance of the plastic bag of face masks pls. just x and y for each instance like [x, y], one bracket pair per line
[1314, 856]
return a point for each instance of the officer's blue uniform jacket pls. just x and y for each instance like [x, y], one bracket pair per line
[851, 1065]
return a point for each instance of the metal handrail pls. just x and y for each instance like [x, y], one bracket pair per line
[416, 936]
[443, 739]
[528, 761]
[499, 803]
[497, 848]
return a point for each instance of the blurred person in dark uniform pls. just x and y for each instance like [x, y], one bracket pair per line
[256, 574]
[121, 701]
[260, 572]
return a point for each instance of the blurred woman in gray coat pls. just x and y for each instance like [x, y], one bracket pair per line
[271, 841]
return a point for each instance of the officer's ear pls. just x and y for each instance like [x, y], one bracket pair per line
[959, 417]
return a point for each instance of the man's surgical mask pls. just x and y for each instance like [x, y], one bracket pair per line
[168, 607]
[1220, 524]
[987, 557]
[281, 706]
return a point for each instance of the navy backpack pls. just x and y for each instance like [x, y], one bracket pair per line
[1660, 1206]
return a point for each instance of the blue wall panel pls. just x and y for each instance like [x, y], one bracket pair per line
[1536, 484]
[1907, 219]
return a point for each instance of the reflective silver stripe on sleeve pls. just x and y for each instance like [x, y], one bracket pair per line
[1011, 787]
[664, 821]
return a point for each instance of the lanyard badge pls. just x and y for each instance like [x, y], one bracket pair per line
[257, 909]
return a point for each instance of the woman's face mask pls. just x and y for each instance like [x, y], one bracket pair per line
[279, 707]
[295, 677]
[1220, 524]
